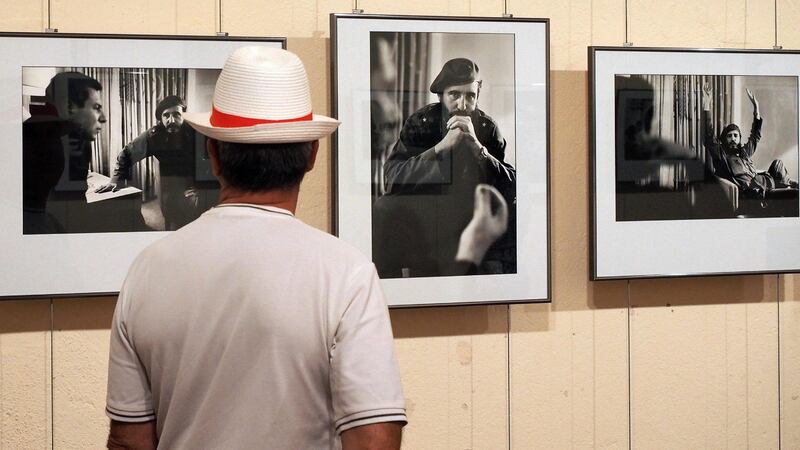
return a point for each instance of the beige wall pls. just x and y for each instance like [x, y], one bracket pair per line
[693, 363]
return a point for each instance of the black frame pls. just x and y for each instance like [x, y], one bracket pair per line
[150, 37]
[592, 51]
[335, 146]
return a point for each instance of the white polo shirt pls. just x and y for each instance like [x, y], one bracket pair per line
[250, 329]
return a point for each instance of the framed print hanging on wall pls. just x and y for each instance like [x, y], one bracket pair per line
[695, 162]
[98, 162]
[441, 161]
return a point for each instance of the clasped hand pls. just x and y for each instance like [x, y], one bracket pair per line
[460, 134]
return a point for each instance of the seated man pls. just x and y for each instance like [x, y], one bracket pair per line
[657, 178]
[733, 161]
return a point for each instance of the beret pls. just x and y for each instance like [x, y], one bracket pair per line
[455, 72]
[168, 102]
[728, 128]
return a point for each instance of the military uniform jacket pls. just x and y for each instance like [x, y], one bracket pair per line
[414, 168]
[737, 167]
[429, 198]
[175, 153]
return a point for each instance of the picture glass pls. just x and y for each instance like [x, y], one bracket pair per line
[98, 162]
[441, 159]
[417, 217]
[123, 159]
[695, 162]
[695, 147]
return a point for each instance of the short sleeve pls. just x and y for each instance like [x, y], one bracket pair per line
[365, 381]
[128, 398]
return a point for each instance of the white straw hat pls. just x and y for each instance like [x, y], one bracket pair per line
[262, 96]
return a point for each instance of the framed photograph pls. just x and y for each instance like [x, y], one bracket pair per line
[98, 161]
[695, 162]
[441, 161]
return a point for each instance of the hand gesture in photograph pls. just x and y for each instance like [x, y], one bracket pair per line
[468, 139]
[464, 123]
[754, 101]
[450, 141]
[192, 196]
[486, 225]
[706, 96]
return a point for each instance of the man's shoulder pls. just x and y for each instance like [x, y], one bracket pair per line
[153, 131]
[483, 119]
[294, 234]
[428, 114]
[422, 126]
[329, 246]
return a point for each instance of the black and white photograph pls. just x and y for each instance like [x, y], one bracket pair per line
[695, 162]
[706, 146]
[99, 162]
[444, 124]
[106, 149]
[443, 152]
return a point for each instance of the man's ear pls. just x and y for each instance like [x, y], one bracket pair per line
[213, 156]
[312, 158]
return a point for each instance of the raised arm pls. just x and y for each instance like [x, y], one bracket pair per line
[755, 129]
[709, 134]
[754, 102]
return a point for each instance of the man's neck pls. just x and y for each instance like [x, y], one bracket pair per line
[278, 198]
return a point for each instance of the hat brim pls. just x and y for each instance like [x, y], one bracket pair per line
[268, 133]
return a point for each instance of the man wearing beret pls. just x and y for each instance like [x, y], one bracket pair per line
[732, 160]
[173, 144]
[445, 150]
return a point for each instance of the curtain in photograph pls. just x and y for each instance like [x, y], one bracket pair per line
[678, 107]
[398, 87]
[412, 83]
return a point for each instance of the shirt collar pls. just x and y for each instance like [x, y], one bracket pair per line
[266, 208]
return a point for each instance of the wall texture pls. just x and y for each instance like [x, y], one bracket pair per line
[689, 363]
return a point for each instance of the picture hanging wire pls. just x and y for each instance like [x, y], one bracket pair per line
[356, 9]
[627, 43]
[778, 311]
[505, 10]
[776, 46]
[52, 332]
[49, 29]
[508, 372]
[219, 24]
[630, 367]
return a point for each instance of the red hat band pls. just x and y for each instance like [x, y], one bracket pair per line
[225, 120]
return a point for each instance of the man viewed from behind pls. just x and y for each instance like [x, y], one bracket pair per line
[272, 334]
